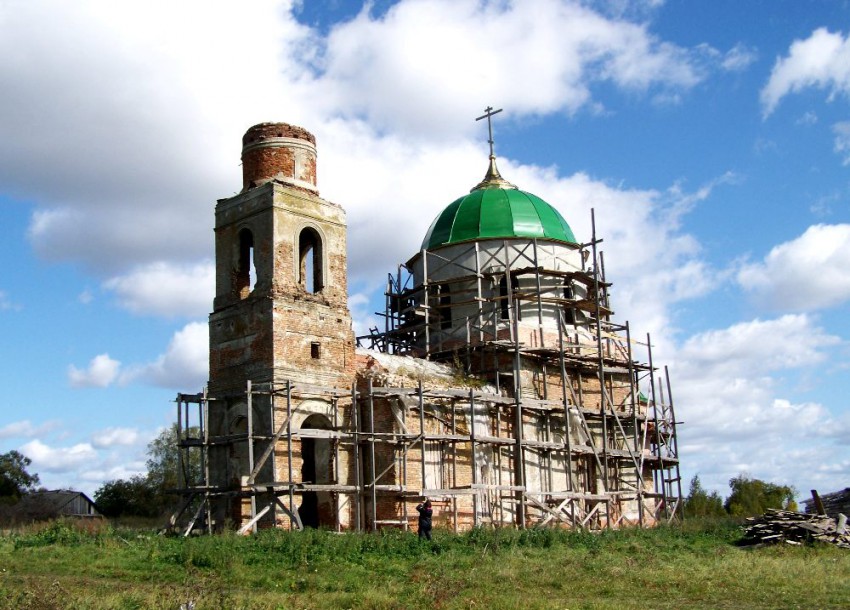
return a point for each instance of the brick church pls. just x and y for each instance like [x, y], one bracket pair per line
[500, 388]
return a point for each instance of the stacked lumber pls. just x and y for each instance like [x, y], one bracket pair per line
[777, 526]
[832, 503]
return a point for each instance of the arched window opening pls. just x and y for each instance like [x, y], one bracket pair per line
[569, 307]
[310, 261]
[504, 301]
[246, 273]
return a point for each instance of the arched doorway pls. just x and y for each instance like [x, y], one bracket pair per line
[316, 508]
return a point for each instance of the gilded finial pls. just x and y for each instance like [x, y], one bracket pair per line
[492, 179]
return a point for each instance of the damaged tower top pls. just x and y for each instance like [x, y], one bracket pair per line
[279, 151]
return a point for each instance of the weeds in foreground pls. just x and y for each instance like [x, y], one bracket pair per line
[695, 564]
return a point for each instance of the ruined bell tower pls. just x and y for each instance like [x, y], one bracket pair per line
[280, 310]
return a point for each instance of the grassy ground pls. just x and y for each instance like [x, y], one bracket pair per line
[695, 565]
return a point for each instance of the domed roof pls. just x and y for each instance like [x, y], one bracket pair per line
[497, 209]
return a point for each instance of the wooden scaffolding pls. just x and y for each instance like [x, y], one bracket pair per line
[600, 444]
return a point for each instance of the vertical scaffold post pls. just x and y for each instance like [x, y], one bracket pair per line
[289, 448]
[358, 475]
[636, 441]
[563, 367]
[600, 364]
[181, 480]
[520, 455]
[475, 497]
[675, 434]
[250, 439]
[372, 469]
[272, 428]
[422, 433]
[426, 299]
[539, 300]
[480, 300]
[205, 452]
[335, 474]
[454, 468]
[659, 473]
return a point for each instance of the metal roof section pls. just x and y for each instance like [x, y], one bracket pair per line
[496, 209]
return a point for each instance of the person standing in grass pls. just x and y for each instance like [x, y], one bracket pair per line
[425, 513]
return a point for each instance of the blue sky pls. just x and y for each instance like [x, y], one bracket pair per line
[712, 140]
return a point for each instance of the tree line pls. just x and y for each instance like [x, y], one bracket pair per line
[142, 495]
[150, 494]
[748, 497]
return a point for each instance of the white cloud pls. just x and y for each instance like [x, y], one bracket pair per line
[140, 184]
[757, 347]
[26, 428]
[807, 273]
[166, 289]
[808, 118]
[111, 437]
[185, 363]
[842, 140]
[92, 478]
[85, 297]
[739, 58]
[6, 303]
[363, 318]
[101, 372]
[822, 61]
[61, 459]
[148, 140]
[729, 395]
[390, 70]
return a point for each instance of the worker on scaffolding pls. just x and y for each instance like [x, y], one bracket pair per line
[425, 513]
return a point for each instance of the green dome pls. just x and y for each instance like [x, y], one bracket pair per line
[493, 213]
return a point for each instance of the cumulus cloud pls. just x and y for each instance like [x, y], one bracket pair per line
[111, 437]
[57, 459]
[184, 364]
[808, 118]
[756, 347]
[842, 140]
[26, 428]
[726, 383]
[389, 70]
[822, 60]
[121, 106]
[166, 289]
[85, 297]
[739, 58]
[807, 273]
[101, 372]
[362, 317]
[140, 185]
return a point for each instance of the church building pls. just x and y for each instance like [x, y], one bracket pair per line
[500, 387]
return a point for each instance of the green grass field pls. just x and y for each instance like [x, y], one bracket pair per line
[694, 565]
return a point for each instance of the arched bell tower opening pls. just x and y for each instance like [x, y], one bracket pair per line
[246, 274]
[310, 260]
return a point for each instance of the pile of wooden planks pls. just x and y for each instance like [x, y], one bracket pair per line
[777, 526]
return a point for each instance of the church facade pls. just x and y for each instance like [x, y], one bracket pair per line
[500, 388]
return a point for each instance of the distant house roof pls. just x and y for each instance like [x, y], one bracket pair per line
[51, 504]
